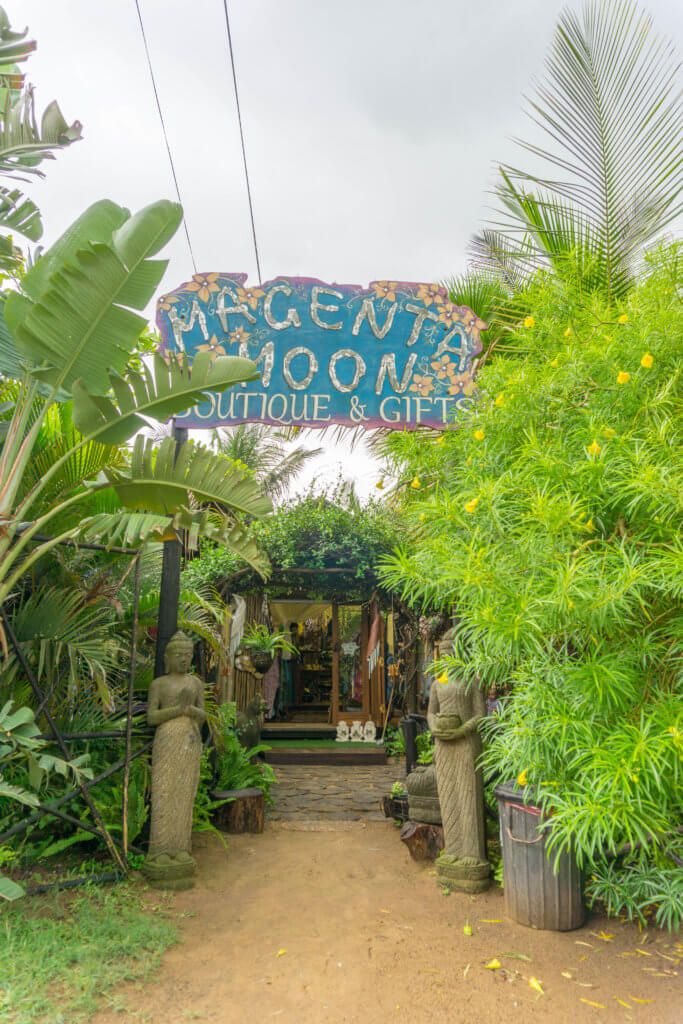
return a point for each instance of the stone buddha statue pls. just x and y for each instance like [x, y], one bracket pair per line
[454, 714]
[176, 708]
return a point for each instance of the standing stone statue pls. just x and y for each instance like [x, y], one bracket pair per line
[454, 715]
[176, 708]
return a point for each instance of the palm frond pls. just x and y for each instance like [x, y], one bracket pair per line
[610, 111]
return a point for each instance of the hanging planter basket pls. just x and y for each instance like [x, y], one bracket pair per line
[261, 660]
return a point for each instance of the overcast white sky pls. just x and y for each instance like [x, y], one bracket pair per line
[372, 127]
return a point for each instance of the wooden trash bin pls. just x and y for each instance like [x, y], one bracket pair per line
[245, 811]
[535, 894]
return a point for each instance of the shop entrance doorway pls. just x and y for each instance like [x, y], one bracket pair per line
[328, 679]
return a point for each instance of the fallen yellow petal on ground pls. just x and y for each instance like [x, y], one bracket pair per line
[490, 920]
[493, 965]
[603, 936]
[622, 1002]
[589, 1002]
[536, 985]
[467, 929]
[281, 952]
[636, 1000]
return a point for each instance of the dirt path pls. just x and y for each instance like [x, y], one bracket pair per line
[333, 923]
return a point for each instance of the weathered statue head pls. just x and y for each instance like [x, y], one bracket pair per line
[178, 654]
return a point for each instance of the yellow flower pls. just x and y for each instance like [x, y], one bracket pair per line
[555, 362]
[385, 290]
[594, 448]
[623, 377]
[422, 516]
[443, 678]
[380, 485]
[609, 432]
[589, 526]
[212, 345]
[499, 400]
[203, 285]
[568, 332]
[647, 361]
[415, 483]
[442, 367]
[479, 435]
[250, 296]
[522, 779]
[470, 506]
[440, 440]
[429, 293]
[623, 319]
[239, 336]
[422, 384]
[529, 321]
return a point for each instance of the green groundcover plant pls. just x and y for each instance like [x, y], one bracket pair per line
[57, 963]
[549, 520]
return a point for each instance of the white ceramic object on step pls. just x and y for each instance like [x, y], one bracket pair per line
[356, 732]
[342, 732]
[369, 732]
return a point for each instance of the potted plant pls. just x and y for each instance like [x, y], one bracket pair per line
[262, 645]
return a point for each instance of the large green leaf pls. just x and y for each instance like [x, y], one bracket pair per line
[19, 213]
[10, 361]
[23, 144]
[80, 327]
[96, 224]
[133, 529]
[163, 479]
[159, 392]
[10, 890]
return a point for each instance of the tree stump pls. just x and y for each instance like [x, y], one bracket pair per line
[425, 842]
[244, 813]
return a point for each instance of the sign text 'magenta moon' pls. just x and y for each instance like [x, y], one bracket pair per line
[391, 355]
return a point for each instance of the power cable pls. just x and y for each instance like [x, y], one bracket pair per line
[163, 129]
[244, 151]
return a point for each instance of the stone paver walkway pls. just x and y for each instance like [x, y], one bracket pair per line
[331, 792]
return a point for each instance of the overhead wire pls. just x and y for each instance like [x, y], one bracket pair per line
[241, 130]
[164, 132]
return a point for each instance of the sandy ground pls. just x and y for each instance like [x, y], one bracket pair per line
[333, 922]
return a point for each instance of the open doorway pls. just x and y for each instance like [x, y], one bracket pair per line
[306, 679]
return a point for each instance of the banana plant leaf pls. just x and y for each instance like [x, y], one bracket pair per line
[81, 327]
[162, 480]
[19, 213]
[133, 529]
[158, 392]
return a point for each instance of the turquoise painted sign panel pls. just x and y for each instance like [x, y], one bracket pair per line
[394, 354]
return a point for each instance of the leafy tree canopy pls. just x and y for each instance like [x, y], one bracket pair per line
[549, 519]
[317, 531]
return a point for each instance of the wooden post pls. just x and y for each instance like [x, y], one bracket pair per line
[129, 704]
[169, 589]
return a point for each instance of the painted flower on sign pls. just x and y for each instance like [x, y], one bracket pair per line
[429, 293]
[203, 285]
[212, 345]
[165, 302]
[385, 290]
[461, 383]
[443, 367]
[423, 384]
[238, 336]
[449, 313]
[250, 296]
